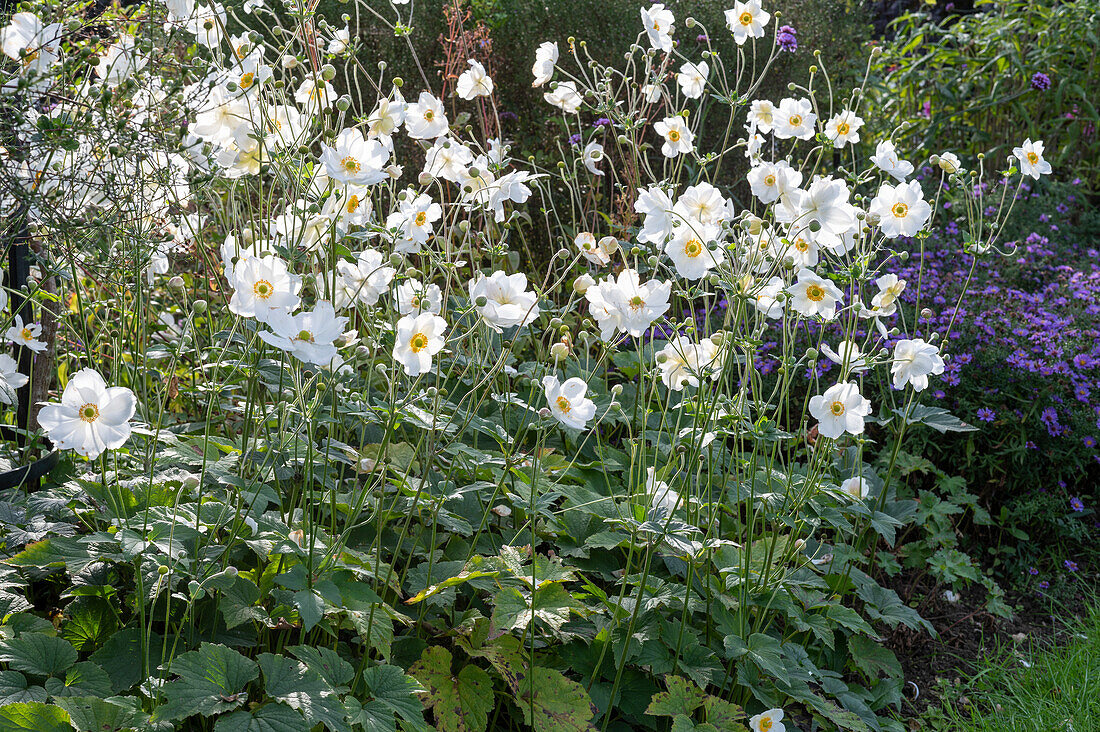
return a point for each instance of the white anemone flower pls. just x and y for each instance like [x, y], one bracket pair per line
[91, 417]
[843, 128]
[474, 82]
[507, 301]
[32, 44]
[309, 336]
[414, 298]
[761, 115]
[847, 356]
[1030, 157]
[568, 402]
[120, 61]
[419, 337]
[795, 118]
[690, 252]
[366, 279]
[914, 361]
[596, 252]
[626, 304]
[678, 138]
[658, 22]
[771, 181]
[684, 363]
[565, 97]
[901, 210]
[886, 159]
[387, 116]
[355, 159]
[813, 295]
[261, 286]
[25, 335]
[592, 156]
[10, 378]
[841, 409]
[769, 721]
[949, 162]
[425, 118]
[546, 56]
[766, 299]
[693, 79]
[746, 20]
[656, 206]
[661, 496]
[857, 487]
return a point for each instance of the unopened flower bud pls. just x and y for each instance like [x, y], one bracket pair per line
[289, 62]
[545, 412]
[176, 284]
[582, 283]
[481, 301]
[559, 351]
[199, 306]
[328, 72]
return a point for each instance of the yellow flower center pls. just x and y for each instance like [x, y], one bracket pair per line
[241, 50]
[246, 80]
[89, 413]
[843, 128]
[802, 245]
[263, 289]
[350, 164]
[429, 115]
[815, 293]
[418, 342]
[746, 18]
[837, 408]
[563, 405]
[421, 218]
[795, 120]
[30, 58]
[769, 180]
[208, 24]
[353, 203]
[1032, 158]
[900, 210]
[765, 724]
[693, 248]
[636, 302]
[656, 26]
[674, 135]
[26, 334]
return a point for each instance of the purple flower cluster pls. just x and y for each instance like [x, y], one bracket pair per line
[786, 39]
[1040, 81]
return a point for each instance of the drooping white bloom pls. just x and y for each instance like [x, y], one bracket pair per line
[761, 115]
[949, 162]
[746, 20]
[884, 302]
[843, 128]
[25, 334]
[474, 82]
[767, 300]
[425, 118]
[339, 41]
[840, 409]
[366, 279]
[693, 79]
[207, 23]
[769, 721]
[309, 336]
[795, 118]
[656, 206]
[592, 156]
[448, 159]
[626, 304]
[848, 356]
[565, 97]
[857, 487]
[689, 251]
[546, 56]
[771, 181]
[507, 301]
[419, 337]
[10, 379]
[658, 22]
[825, 202]
[568, 402]
[355, 159]
[914, 361]
[286, 127]
[887, 160]
[1030, 157]
[596, 252]
[261, 286]
[387, 116]
[683, 362]
[813, 295]
[661, 496]
[413, 298]
[678, 138]
[901, 210]
[91, 417]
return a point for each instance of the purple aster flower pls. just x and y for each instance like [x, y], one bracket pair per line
[602, 122]
[1032, 571]
[1044, 585]
[1040, 81]
[1076, 505]
[1089, 441]
[1071, 565]
[575, 139]
[986, 415]
[786, 39]
[510, 116]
